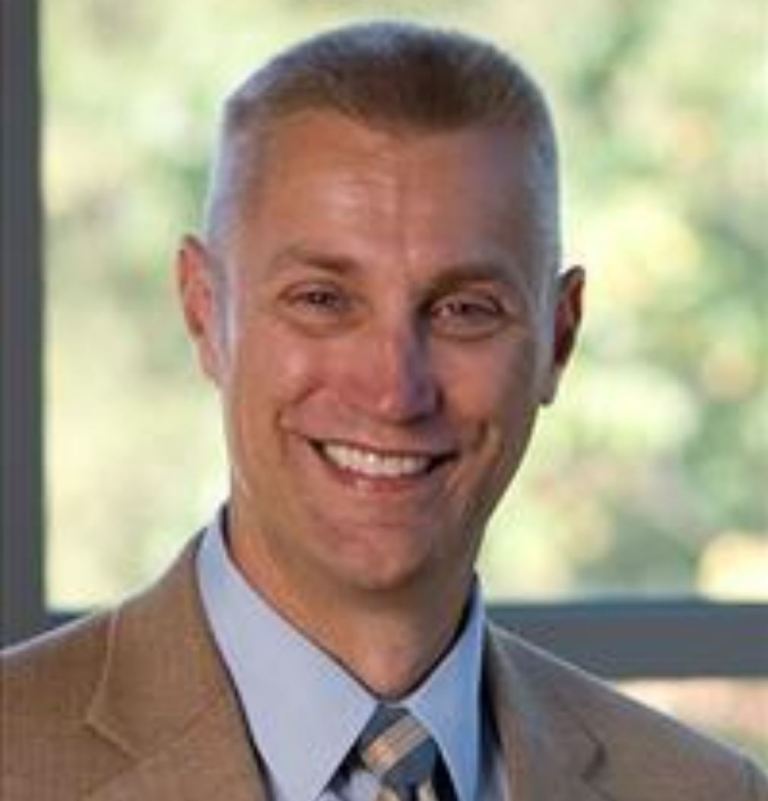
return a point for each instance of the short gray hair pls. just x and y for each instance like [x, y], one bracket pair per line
[385, 75]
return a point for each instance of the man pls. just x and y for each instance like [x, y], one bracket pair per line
[377, 297]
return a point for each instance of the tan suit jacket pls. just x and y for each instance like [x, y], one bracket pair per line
[134, 705]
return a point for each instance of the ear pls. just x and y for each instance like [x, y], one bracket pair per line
[567, 320]
[197, 293]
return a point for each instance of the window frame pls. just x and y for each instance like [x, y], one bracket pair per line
[627, 638]
[21, 323]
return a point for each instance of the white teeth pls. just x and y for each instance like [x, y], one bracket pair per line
[374, 464]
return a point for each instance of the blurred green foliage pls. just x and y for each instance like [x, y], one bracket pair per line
[648, 476]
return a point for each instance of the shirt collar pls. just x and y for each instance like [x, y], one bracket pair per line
[303, 708]
[448, 702]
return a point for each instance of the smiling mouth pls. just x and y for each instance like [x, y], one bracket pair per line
[378, 464]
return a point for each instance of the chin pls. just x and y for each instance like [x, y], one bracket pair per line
[387, 564]
[381, 584]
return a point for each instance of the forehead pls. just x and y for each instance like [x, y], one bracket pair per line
[314, 139]
[437, 196]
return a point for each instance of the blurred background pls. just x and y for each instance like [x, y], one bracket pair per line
[648, 477]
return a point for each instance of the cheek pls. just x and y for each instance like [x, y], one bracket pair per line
[279, 380]
[494, 386]
[271, 359]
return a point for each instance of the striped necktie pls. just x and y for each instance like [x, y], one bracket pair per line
[397, 749]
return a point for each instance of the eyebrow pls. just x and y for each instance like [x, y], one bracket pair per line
[475, 272]
[309, 257]
[456, 275]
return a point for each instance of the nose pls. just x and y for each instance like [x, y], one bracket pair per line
[394, 378]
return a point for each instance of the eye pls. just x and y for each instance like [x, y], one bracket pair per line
[317, 304]
[319, 298]
[467, 315]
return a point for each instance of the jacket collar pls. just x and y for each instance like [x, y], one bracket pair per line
[548, 752]
[165, 700]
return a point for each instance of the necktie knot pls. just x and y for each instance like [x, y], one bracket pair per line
[399, 751]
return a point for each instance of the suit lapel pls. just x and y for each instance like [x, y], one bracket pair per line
[550, 756]
[166, 701]
[210, 760]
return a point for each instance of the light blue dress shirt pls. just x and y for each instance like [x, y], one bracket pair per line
[306, 711]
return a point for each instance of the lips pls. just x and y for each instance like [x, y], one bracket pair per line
[378, 464]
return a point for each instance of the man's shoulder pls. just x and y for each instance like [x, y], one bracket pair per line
[47, 685]
[55, 672]
[631, 738]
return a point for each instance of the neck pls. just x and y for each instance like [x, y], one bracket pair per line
[391, 651]
[389, 639]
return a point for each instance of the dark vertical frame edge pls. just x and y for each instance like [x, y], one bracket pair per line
[21, 316]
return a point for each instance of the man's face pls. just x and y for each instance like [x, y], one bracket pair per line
[389, 329]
